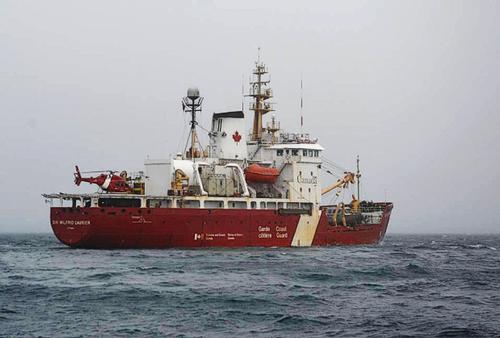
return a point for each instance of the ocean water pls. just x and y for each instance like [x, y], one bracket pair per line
[411, 285]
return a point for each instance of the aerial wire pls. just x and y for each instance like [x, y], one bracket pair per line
[301, 105]
[242, 91]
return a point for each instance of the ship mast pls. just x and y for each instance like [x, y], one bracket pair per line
[192, 104]
[358, 176]
[260, 93]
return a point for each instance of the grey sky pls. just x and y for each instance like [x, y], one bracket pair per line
[411, 86]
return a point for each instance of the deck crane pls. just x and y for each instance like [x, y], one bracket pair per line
[349, 178]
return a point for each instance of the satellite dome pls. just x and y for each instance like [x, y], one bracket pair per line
[193, 93]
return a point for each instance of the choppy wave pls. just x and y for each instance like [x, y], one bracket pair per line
[440, 285]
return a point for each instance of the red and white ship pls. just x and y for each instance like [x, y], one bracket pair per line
[261, 189]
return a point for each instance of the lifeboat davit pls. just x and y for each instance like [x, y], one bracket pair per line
[259, 174]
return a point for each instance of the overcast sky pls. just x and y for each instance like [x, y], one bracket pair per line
[413, 87]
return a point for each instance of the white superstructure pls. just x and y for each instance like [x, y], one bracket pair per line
[286, 166]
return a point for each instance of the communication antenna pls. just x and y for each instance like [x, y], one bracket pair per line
[242, 91]
[358, 176]
[301, 104]
[192, 104]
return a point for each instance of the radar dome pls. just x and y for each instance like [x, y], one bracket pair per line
[193, 93]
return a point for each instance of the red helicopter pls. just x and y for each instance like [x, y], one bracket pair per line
[107, 182]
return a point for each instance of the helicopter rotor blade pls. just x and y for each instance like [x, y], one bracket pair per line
[98, 171]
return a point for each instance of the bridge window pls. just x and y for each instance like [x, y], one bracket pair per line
[295, 152]
[279, 152]
[304, 152]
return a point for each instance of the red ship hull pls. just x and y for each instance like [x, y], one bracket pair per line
[110, 228]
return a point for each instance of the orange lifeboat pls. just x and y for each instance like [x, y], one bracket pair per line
[259, 174]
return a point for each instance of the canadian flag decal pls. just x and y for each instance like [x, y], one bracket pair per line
[236, 137]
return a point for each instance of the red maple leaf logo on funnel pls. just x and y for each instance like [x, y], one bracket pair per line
[236, 137]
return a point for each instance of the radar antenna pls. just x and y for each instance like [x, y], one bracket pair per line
[192, 104]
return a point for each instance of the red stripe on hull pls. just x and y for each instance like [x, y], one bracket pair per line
[108, 228]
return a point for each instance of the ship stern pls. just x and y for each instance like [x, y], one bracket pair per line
[71, 226]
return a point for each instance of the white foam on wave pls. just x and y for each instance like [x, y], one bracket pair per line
[476, 246]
